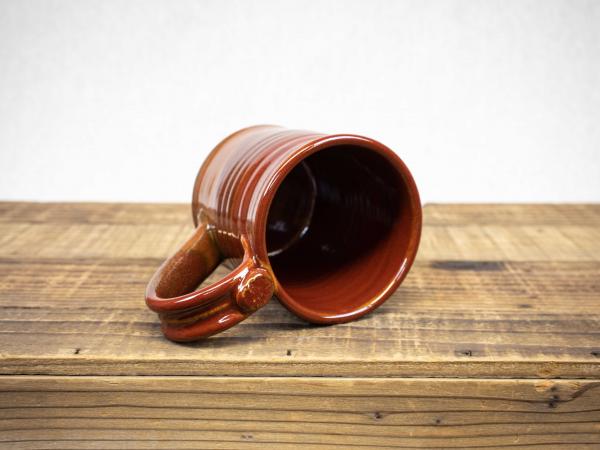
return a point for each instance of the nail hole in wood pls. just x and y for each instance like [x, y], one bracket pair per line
[76, 352]
[289, 353]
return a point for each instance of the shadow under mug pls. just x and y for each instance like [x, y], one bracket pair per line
[330, 224]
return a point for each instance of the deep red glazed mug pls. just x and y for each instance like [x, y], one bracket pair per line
[330, 224]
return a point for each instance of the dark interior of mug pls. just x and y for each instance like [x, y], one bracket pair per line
[338, 231]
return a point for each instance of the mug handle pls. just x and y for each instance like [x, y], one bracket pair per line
[188, 313]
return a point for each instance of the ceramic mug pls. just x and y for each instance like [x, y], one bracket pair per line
[330, 224]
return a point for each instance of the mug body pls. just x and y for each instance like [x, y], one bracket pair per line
[335, 220]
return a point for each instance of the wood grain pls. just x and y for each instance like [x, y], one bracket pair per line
[493, 341]
[233, 412]
[72, 279]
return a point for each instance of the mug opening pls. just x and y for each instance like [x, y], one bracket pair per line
[342, 230]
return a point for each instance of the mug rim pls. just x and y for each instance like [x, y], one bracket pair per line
[316, 145]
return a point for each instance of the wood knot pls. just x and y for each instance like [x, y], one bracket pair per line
[553, 401]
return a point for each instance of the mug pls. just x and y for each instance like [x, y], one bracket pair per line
[330, 224]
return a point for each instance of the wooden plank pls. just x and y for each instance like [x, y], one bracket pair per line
[178, 214]
[465, 242]
[471, 232]
[29, 242]
[148, 240]
[136, 412]
[557, 214]
[511, 243]
[449, 319]
[232, 412]
[71, 300]
[95, 213]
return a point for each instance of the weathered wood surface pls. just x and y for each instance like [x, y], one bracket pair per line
[254, 412]
[502, 302]
[497, 291]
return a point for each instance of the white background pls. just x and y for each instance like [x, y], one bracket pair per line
[486, 101]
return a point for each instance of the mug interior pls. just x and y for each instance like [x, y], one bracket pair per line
[340, 230]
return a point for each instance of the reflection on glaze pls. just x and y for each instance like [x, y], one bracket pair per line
[291, 211]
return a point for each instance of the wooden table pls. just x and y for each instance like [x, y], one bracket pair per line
[492, 341]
